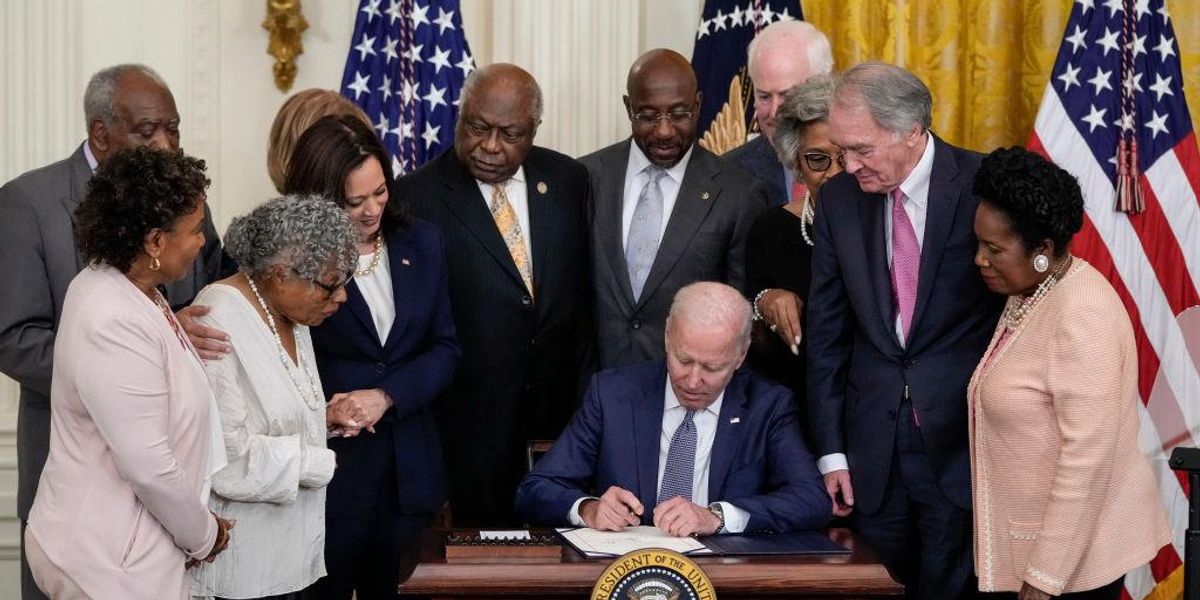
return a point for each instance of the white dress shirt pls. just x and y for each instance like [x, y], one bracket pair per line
[705, 421]
[636, 178]
[916, 204]
[518, 197]
[376, 288]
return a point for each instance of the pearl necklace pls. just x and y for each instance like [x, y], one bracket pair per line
[807, 214]
[375, 256]
[1016, 311]
[313, 403]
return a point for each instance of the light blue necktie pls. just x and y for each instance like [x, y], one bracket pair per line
[681, 462]
[645, 231]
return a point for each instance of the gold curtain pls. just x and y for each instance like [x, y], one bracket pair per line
[987, 62]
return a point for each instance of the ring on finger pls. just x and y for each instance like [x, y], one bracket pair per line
[774, 327]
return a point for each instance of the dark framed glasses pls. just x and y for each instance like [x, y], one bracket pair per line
[332, 289]
[819, 161]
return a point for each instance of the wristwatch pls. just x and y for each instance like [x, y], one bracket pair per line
[715, 508]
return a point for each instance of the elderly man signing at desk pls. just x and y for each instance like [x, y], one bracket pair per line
[695, 446]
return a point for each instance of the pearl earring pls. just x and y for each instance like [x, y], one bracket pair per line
[1041, 263]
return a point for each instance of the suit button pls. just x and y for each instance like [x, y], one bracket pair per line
[533, 342]
[380, 368]
[636, 324]
[526, 300]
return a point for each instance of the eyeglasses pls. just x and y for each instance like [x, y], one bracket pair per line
[332, 289]
[819, 161]
[653, 119]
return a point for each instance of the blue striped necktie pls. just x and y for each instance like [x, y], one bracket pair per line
[681, 462]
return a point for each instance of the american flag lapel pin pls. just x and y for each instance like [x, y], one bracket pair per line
[735, 420]
[404, 261]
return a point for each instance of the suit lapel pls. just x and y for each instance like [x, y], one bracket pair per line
[697, 195]
[81, 173]
[939, 220]
[469, 206]
[609, 207]
[647, 428]
[358, 307]
[728, 437]
[540, 198]
[402, 272]
[871, 209]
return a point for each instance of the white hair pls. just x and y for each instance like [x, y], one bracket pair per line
[100, 97]
[712, 305]
[798, 37]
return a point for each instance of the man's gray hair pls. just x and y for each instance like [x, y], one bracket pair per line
[804, 104]
[530, 87]
[100, 98]
[712, 305]
[800, 35]
[307, 235]
[897, 99]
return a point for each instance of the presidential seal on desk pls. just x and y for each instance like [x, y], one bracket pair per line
[653, 574]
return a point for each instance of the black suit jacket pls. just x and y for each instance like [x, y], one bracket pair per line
[413, 365]
[525, 359]
[705, 240]
[759, 159]
[857, 369]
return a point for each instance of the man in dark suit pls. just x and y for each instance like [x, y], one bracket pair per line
[782, 55]
[125, 106]
[898, 318]
[515, 220]
[659, 442]
[668, 212]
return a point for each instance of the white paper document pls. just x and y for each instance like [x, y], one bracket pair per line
[594, 543]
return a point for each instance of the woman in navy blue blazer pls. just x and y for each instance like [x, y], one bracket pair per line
[383, 359]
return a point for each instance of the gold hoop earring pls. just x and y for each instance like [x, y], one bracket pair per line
[155, 264]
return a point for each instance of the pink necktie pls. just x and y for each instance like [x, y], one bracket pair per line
[906, 262]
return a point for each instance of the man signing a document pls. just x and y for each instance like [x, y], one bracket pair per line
[694, 445]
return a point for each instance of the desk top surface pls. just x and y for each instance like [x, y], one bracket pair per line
[851, 574]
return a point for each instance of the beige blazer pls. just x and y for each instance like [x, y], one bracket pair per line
[119, 507]
[1063, 497]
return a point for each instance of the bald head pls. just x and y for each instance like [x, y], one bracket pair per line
[663, 105]
[498, 115]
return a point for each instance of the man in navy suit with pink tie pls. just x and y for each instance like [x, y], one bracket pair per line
[693, 446]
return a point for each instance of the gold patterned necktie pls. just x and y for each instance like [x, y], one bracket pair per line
[510, 230]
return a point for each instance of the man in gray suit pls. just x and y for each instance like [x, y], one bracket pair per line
[125, 106]
[782, 55]
[667, 212]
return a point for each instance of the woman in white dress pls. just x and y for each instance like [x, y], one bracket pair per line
[295, 255]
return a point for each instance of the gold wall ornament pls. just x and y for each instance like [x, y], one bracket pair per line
[286, 23]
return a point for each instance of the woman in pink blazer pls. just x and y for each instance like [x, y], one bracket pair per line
[1065, 502]
[120, 509]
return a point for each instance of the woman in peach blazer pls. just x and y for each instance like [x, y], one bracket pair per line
[120, 508]
[1065, 502]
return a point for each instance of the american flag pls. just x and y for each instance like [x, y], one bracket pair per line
[406, 68]
[1117, 77]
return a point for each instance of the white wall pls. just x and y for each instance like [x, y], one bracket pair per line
[213, 55]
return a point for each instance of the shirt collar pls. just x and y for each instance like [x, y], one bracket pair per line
[91, 158]
[671, 401]
[639, 162]
[916, 185]
[518, 177]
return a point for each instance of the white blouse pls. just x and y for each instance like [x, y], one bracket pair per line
[274, 484]
[376, 289]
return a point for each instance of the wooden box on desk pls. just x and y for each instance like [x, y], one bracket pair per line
[467, 546]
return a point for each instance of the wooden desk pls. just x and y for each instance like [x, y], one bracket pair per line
[854, 575]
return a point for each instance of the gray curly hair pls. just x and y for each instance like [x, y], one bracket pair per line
[306, 234]
[806, 103]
